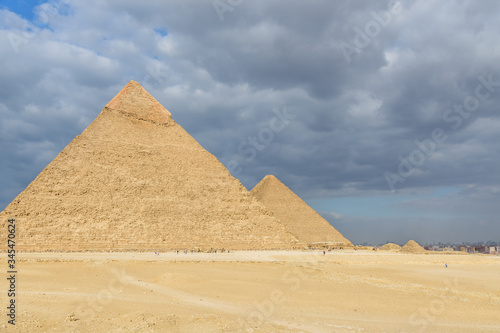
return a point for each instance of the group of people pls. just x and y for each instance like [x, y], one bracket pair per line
[186, 251]
[215, 250]
[212, 250]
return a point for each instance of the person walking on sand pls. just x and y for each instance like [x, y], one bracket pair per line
[446, 265]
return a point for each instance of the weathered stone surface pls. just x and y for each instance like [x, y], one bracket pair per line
[297, 216]
[136, 180]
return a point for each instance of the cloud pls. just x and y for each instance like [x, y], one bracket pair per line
[222, 80]
[331, 215]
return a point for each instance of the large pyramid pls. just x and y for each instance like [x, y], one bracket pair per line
[136, 180]
[297, 216]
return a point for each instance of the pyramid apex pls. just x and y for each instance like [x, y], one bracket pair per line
[273, 181]
[133, 100]
[271, 178]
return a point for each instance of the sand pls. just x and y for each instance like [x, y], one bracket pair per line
[256, 291]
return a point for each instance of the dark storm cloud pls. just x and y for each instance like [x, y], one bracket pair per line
[362, 82]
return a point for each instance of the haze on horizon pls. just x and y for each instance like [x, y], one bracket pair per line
[382, 115]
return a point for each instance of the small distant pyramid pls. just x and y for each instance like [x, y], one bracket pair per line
[136, 180]
[390, 247]
[412, 247]
[298, 217]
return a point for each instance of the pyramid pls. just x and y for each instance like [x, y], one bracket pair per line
[136, 180]
[390, 247]
[298, 217]
[412, 247]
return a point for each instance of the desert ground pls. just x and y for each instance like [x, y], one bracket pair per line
[256, 291]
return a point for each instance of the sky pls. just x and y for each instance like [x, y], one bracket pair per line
[382, 115]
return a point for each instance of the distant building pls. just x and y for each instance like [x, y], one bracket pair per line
[483, 249]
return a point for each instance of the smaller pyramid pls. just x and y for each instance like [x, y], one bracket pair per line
[390, 247]
[297, 216]
[412, 247]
